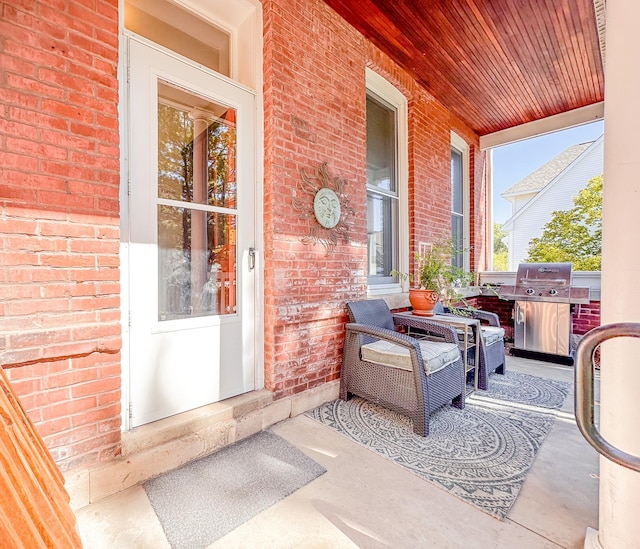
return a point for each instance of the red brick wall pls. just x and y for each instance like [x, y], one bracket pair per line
[479, 200]
[314, 111]
[59, 188]
[315, 90]
[430, 126]
[586, 317]
[504, 310]
[59, 226]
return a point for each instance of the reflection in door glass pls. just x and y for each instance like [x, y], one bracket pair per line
[200, 170]
[197, 206]
[196, 262]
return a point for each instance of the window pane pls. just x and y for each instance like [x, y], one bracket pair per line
[175, 28]
[200, 169]
[382, 209]
[382, 215]
[457, 237]
[457, 208]
[457, 196]
[196, 263]
[381, 146]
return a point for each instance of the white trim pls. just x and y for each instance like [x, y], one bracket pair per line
[463, 147]
[489, 205]
[387, 91]
[196, 206]
[123, 120]
[561, 121]
[242, 19]
[506, 195]
[175, 55]
[384, 289]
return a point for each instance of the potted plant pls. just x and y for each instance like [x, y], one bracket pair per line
[435, 278]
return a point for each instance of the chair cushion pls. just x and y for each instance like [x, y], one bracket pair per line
[491, 334]
[434, 355]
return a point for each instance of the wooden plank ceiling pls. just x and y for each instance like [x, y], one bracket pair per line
[494, 63]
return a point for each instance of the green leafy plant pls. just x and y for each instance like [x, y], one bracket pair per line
[500, 250]
[575, 235]
[434, 271]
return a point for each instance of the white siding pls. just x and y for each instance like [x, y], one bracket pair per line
[520, 201]
[558, 195]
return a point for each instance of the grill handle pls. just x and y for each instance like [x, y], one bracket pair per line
[584, 400]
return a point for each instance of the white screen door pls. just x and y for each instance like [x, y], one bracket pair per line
[192, 277]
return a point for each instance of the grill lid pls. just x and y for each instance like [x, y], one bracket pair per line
[544, 274]
[545, 282]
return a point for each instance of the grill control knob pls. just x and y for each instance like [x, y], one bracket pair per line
[553, 291]
[531, 291]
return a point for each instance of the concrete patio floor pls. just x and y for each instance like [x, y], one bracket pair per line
[364, 500]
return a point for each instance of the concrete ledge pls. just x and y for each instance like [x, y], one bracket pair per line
[186, 423]
[313, 398]
[91, 485]
[264, 418]
[248, 402]
[153, 434]
[152, 462]
[394, 301]
[151, 450]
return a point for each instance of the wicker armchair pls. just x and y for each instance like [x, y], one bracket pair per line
[492, 354]
[398, 371]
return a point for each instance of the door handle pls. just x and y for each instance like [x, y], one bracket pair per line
[584, 400]
[252, 259]
[518, 312]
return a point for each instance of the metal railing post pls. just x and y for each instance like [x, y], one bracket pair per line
[584, 398]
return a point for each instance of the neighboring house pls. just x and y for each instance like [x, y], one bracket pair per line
[552, 187]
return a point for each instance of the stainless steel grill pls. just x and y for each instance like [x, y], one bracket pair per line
[543, 294]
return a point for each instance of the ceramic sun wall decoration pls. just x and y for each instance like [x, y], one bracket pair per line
[323, 199]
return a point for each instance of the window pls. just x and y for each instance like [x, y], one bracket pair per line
[457, 212]
[460, 201]
[179, 30]
[386, 184]
[382, 191]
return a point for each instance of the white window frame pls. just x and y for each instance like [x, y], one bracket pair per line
[377, 85]
[460, 145]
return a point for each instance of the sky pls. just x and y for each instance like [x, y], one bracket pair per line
[512, 163]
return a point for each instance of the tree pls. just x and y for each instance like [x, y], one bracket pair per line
[500, 251]
[574, 235]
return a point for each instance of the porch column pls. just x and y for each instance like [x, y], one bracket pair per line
[619, 526]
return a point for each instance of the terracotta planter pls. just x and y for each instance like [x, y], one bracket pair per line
[423, 301]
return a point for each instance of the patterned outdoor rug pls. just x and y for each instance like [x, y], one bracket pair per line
[525, 389]
[480, 454]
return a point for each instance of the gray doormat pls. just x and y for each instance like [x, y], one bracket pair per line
[204, 500]
[480, 454]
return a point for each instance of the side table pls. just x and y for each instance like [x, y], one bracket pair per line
[468, 328]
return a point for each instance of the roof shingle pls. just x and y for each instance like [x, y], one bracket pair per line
[546, 173]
